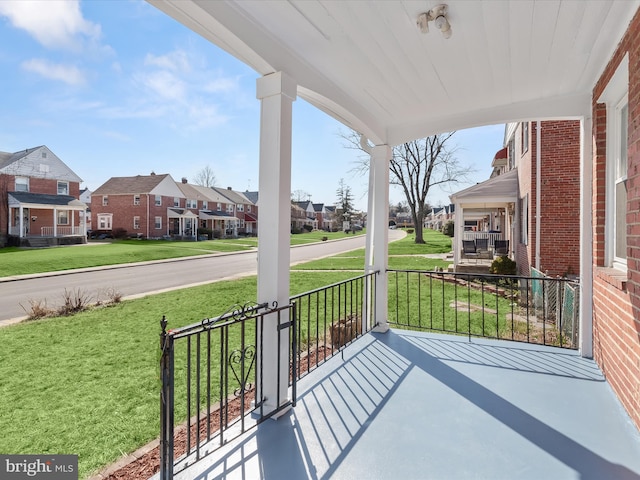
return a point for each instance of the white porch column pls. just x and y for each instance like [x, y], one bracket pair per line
[55, 222]
[73, 221]
[21, 221]
[277, 92]
[377, 246]
[458, 232]
[586, 238]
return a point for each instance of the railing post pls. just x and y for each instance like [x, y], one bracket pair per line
[166, 403]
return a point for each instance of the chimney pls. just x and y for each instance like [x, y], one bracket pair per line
[228, 188]
[152, 172]
[184, 180]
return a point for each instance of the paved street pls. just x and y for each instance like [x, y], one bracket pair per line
[154, 277]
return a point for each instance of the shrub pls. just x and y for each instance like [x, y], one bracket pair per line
[503, 266]
[295, 230]
[308, 228]
[205, 231]
[37, 309]
[120, 233]
[448, 229]
[217, 233]
[324, 239]
[74, 301]
[409, 231]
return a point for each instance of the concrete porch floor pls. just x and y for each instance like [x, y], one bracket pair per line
[408, 405]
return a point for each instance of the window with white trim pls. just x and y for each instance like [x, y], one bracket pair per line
[136, 199]
[63, 217]
[248, 208]
[176, 201]
[192, 203]
[219, 206]
[105, 221]
[136, 223]
[240, 207]
[63, 188]
[615, 96]
[229, 207]
[22, 184]
[105, 200]
[158, 201]
[205, 205]
[525, 137]
[158, 223]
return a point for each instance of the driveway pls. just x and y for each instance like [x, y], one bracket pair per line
[137, 280]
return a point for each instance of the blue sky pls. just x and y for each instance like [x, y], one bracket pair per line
[117, 88]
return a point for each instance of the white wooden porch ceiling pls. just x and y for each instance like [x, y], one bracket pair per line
[367, 64]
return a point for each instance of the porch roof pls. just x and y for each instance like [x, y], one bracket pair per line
[497, 190]
[456, 408]
[368, 65]
[45, 201]
[180, 213]
[210, 215]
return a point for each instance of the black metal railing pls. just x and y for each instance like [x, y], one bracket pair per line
[537, 309]
[210, 374]
[331, 317]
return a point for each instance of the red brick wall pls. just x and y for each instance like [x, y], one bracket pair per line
[559, 197]
[123, 210]
[616, 299]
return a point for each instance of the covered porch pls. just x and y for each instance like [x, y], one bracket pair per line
[491, 205]
[40, 220]
[418, 405]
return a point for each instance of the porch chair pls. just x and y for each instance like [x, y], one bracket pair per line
[502, 247]
[482, 247]
[469, 249]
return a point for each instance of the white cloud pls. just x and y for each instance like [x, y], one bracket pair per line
[53, 23]
[221, 85]
[65, 73]
[164, 84]
[176, 61]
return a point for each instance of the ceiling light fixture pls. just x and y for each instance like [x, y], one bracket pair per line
[437, 15]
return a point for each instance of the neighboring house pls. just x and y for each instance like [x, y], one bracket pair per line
[298, 217]
[310, 213]
[243, 208]
[544, 232]
[144, 205]
[39, 200]
[325, 216]
[215, 212]
[85, 197]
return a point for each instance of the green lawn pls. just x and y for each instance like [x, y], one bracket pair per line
[15, 261]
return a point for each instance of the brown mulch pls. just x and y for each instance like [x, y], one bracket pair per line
[144, 463]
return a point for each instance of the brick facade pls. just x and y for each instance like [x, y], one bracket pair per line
[124, 210]
[616, 296]
[559, 197]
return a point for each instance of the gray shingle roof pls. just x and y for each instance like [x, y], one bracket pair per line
[130, 185]
[44, 199]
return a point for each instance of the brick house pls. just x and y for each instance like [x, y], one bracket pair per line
[145, 205]
[39, 200]
[615, 194]
[239, 205]
[555, 251]
[215, 211]
[506, 206]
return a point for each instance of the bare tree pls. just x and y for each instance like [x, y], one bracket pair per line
[205, 177]
[416, 167]
[300, 196]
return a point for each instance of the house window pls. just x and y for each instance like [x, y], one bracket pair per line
[63, 188]
[525, 136]
[63, 217]
[22, 184]
[192, 203]
[240, 207]
[205, 205]
[249, 208]
[230, 208]
[158, 201]
[524, 220]
[136, 199]
[176, 202]
[219, 207]
[44, 154]
[615, 96]
[105, 221]
[105, 200]
[158, 223]
[136, 223]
